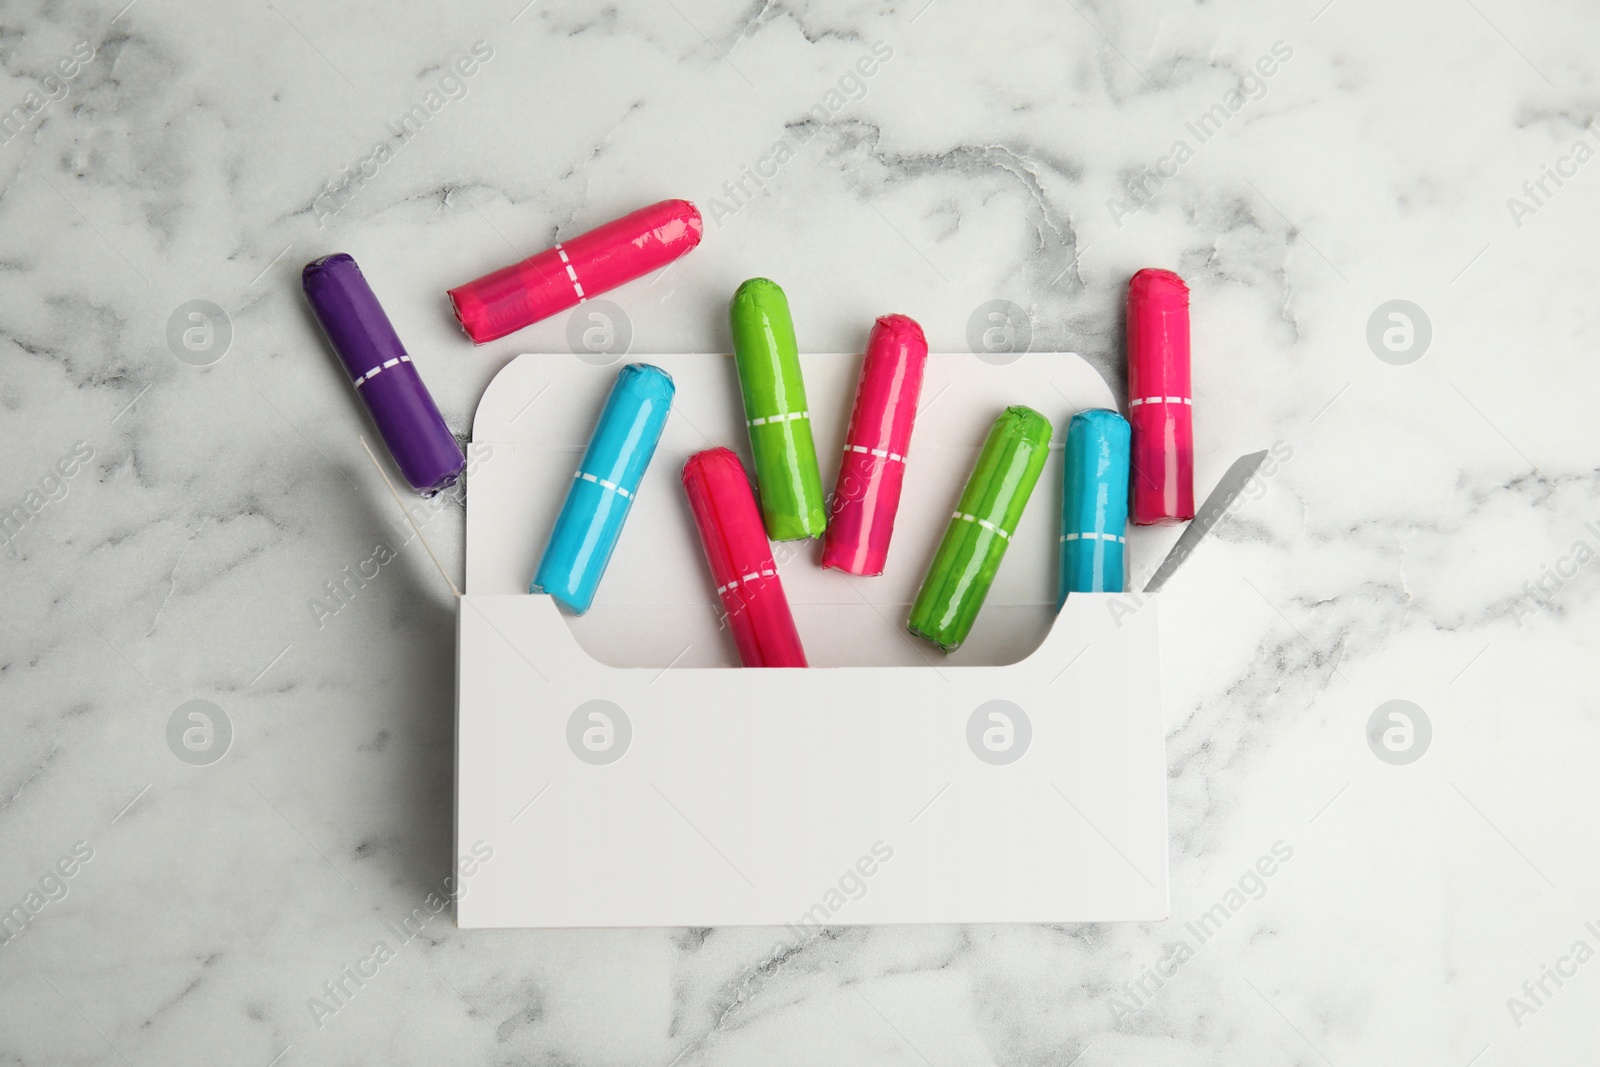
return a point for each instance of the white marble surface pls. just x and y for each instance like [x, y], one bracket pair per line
[185, 160]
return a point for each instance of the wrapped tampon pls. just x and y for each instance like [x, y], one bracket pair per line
[1160, 403]
[975, 542]
[604, 486]
[385, 378]
[741, 560]
[867, 494]
[776, 412]
[577, 270]
[1094, 504]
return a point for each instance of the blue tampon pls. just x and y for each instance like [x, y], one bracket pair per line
[603, 488]
[1094, 504]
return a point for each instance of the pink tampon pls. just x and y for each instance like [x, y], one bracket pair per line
[867, 494]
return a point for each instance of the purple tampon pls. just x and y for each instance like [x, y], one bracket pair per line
[384, 376]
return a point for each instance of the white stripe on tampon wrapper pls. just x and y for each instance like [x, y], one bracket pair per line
[774, 419]
[1160, 400]
[602, 483]
[572, 274]
[375, 371]
[985, 523]
[752, 576]
[879, 452]
[1094, 537]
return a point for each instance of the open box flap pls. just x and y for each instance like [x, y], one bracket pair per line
[734, 797]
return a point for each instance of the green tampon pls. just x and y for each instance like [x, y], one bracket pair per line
[980, 530]
[787, 479]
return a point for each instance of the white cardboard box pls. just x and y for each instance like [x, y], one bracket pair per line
[625, 772]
